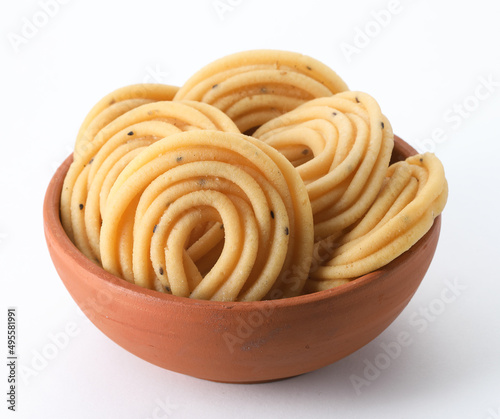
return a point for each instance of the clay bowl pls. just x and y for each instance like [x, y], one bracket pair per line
[237, 342]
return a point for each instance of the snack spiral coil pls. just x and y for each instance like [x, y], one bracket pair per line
[236, 186]
[115, 104]
[413, 195]
[252, 87]
[341, 145]
[83, 200]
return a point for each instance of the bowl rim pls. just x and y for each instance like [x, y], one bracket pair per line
[54, 228]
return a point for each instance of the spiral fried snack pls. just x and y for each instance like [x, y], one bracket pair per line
[341, 145]
[253, 87]
[115, 104]
[91, 176]
[414, 193]
[257, 231]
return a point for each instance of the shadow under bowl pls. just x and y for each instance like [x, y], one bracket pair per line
[239, 342]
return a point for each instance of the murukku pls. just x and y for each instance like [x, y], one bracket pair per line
[341, 146]
[166, 191]
[252, 87]
[414, 193]
[83, 200]
[257, 228]
[115, 104]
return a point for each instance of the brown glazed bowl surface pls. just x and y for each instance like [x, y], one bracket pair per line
[242, 342]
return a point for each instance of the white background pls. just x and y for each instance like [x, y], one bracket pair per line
[428, 62]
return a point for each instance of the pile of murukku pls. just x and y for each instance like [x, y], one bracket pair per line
[341, 146]
[168, 189]
[253, 87]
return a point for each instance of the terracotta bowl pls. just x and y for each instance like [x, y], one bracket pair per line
[237, 342]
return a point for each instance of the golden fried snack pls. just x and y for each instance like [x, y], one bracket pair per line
[252, 87]
[209, 215]
[166, 192]
[115, 104]
[414, 193]
[341, 145]
[83, 200]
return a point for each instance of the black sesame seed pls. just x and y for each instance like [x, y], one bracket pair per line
[334, 113]
[309, 68]
[154, 228]
[179, 158]
[215, 85]
[131, 133]
[421, 159]
[168, 289]
[91, 160]
[222, 226]
[272, 214]
[382, 124]
[287, 231]
[80, 206]
[357, 100]
[160, 270]
[305, 152]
